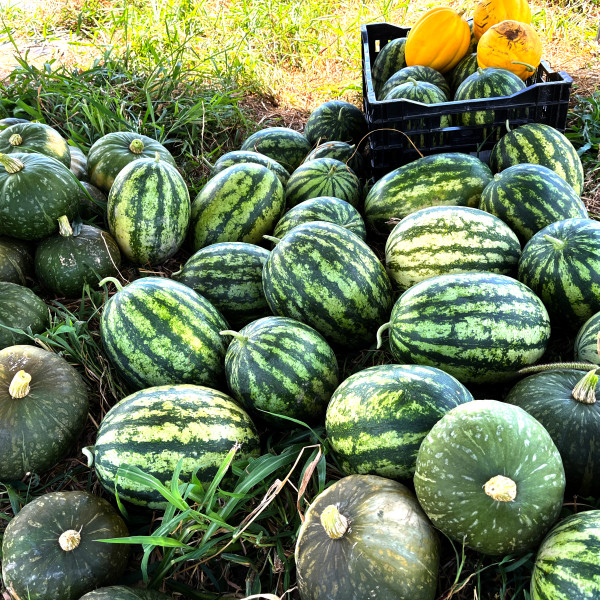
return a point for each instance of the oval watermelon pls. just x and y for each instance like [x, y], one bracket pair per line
[287, 146]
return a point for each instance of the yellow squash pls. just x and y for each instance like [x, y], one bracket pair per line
[439, 39]
[491, 12]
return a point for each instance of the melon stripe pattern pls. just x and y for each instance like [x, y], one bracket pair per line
[586, 342]
[327, 277]
[247, 156]
[157, 331]
[478, 327]
[419, 73]
[287, 146]
[336, 120]
[156, 427]
[389, 60]
[449, 239]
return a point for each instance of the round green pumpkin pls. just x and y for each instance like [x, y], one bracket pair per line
[20, 308]
[60, 531]
[78, 164]
[35, 137]
[35, 384]
[92, 203]
[16, 260]
[77, 255]
[366, 537]
[123, 592]
[489, 475]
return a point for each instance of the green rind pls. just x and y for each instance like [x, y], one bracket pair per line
[327, 277]
[240, 204]
[157, 427]
[566, 565]
[16, 261]
[447, 179]
[343, 152]
[148, 211]
[323, 177]
[93, 208]
[287, 146]
[377, 418]
[78, 163]
[229, 275]
[566, 279]
[122, 592]
[449, 239]
[389, 60]
[335, 120]
[281, 366]
[157, 331]
[478, 327]
[425, 74]
[40, 429]
[322, 208]
[586, 348]
[38, 138]
[419, 91]
[20, 308]
[467, 66]
[465, 449]
[527, 197]
[237, 157]
[540, 144]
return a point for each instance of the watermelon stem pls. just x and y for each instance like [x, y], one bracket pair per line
[19, 386]
[88, 451]
[15, 139]
[501, 488]
[64, 227]
[271, 238]
[585, 390]
[334, 522]
[380, 331]
[117, 283]
[551, 366]
[235, 334]
[69, 540]
[558, 244]
[12, 165]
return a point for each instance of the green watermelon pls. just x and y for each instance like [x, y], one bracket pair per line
[418, 73]
[281, 366]
[247, 156]
[287, 146]
[20, 308]
[389, 60]
[154, 428]
[566, 564]
[539, 144]
[322, 208]
[343, 152]
[448, 179]
[478, 327]
[327, 277]
[157, 331]
[419, 91]
[229, 275]
[323, 177]
[336, 120]
[449, 239]
[377, 418]
[467, 66]
[528, 197]
[587, 346]
[561, 264]
[240, 204]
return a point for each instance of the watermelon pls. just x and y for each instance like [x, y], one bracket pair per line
[418, 73]
[322, 208]
[467, 66]
[449, 239]
[336, 120]
[327, 277]
[566, 564]
[377, 418]
[148, 210]
[229, 275]
[528, 197]
[561, 264]
[389, 60]
[240, 204]
[287, 146]
[346, 153]
[157, 331]
[448, 179]
[281, 366]
[586, 347]
[539, 144]
[247, 156]
[154, 428]
[478, 327]
[323, 177]
[419, 91]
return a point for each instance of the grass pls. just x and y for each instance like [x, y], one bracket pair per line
[199, 77]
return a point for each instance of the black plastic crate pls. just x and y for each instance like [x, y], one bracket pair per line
[395, 125]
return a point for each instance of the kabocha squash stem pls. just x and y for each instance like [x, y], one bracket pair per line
[15, 140]
[585, 390]
[12, 165]
[334, 522]
[69, 540]
[501, 488]
[64, 227]
[136, 146]
[19, 386]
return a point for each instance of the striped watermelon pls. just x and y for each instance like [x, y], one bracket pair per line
[449, 239]
[154, 428]
[157, 331]
[328, 278]
[447, 179]
[240, 204]
[229, 275]
[287, 146]
[323, 177]
[478, 327]
[148, 210]
[377, 418]
[282, 366]
[561, 264]
[335, 120]
[418, 73]
[389, 60]
[419, 91]
[322, 208]
[587, 346]
[343, 152]
[566, 564]
[467, 66]
[247, 156]
[539, 144]
[528, 197]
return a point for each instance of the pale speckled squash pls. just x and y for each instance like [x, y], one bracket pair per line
[123, 592]
[37, 138]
